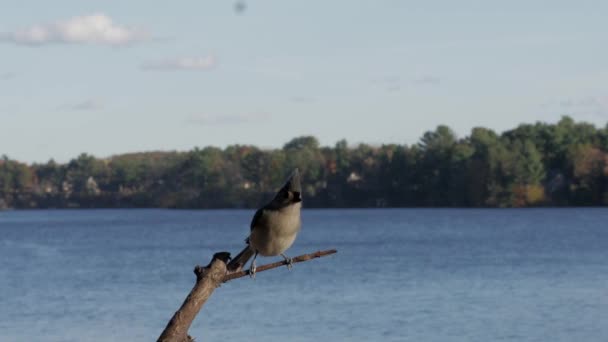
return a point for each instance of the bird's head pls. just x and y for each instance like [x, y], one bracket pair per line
[291, 192]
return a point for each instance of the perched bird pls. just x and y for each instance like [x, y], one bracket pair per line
[274, 226]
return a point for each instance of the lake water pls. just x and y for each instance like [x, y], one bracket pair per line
[399, 275]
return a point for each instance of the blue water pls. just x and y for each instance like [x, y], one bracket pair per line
[399, 275]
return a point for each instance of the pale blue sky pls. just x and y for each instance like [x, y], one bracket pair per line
[108, 77]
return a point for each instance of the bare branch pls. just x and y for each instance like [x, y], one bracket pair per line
[301, 258]
[208, 278]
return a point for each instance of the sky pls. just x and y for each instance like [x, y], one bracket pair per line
[110, 77]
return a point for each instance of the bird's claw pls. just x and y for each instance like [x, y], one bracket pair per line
[288, 260]
[252, 271]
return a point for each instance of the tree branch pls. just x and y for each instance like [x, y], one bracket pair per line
[301, 258]
[208, 278]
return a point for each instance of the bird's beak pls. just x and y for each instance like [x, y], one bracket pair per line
[297, 197]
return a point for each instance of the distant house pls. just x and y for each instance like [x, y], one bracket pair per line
[92, 187]
[353, 177]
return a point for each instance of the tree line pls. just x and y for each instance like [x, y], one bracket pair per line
[541, 164]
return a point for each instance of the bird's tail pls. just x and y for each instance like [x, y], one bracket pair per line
[239, 261]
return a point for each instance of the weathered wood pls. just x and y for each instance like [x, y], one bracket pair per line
[208, 278]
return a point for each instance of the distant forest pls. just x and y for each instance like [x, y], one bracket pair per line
[563, 164]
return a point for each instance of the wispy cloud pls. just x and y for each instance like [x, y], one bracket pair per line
[590, 106]
[182, 63]
[86, 105]
[427, 80]
[389, 83]
[7, 76]
[228, 119]
[302, 99]
[397, 83]
[582, 102]
[88, 29]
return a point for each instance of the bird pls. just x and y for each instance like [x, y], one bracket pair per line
[274, 227]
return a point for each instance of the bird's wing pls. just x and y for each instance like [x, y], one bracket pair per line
[258, 218]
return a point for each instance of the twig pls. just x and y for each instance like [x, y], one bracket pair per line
[301, 258]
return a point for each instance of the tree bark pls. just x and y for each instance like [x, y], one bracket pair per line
[208, 278]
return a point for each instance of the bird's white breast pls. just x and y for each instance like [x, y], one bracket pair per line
[280, 233]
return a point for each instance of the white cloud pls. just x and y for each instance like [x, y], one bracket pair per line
[88, 29]
[183, 63]
[230, 119]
